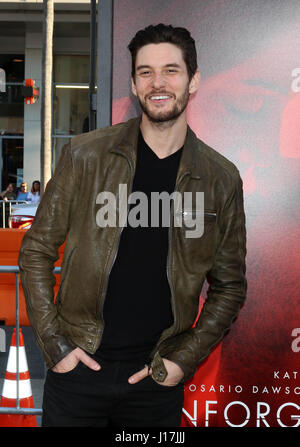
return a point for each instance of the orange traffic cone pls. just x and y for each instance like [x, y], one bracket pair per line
[9, 391]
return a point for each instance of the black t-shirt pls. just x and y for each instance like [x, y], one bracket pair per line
[137, 306]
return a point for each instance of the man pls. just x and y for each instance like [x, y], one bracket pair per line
[122, 337]
[8, 194]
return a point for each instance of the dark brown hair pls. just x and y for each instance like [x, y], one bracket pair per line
[161, 33]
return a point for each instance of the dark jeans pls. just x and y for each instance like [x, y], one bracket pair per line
[87, 398]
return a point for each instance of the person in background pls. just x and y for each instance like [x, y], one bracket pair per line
[9, 193]
[34, 194]
[23, 192]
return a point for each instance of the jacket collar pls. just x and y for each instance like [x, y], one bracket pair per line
[127, 142]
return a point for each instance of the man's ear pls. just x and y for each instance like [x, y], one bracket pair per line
[194, 82]
[133, 87]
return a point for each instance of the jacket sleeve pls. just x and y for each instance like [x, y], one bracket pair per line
[39, 252]
[226, 292]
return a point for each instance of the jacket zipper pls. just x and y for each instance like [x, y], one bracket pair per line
[168, 269]
[210, 214]
[114, 258]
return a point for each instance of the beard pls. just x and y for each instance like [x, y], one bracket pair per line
[157, 116]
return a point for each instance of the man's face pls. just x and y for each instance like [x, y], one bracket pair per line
[161, 82]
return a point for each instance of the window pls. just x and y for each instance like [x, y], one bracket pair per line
[11, 120]
[70, 99]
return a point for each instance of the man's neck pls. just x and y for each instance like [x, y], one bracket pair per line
[164, 138]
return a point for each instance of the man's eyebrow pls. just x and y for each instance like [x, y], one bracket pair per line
[173, 65]
[141, 67]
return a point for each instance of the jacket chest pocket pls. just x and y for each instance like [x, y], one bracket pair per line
[197, 245]
[195, 223]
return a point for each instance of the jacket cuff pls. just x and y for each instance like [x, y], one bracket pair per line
[187, 368]
[159, 371]
[55, 349]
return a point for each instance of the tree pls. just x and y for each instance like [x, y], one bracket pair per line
[46, 95]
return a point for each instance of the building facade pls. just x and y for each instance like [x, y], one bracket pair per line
[21, 48]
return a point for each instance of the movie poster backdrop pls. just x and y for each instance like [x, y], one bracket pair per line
[248, 109]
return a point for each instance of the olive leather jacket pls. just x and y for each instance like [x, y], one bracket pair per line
[99, 161]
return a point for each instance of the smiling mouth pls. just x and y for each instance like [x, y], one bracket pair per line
[159, 98]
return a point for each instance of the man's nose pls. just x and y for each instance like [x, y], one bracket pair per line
[158, 80]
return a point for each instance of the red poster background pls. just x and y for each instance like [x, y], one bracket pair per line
[248, 109]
